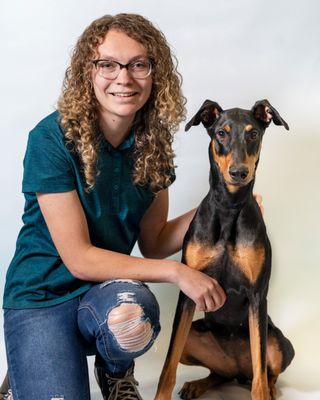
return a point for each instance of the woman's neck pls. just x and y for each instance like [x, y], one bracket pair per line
[115, 129]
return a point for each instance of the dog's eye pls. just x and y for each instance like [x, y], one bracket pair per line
[221, 134]
[253, 135]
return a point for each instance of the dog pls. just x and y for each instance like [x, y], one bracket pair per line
[227, 240]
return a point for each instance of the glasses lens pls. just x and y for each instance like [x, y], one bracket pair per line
[108, 69]
[140, 69]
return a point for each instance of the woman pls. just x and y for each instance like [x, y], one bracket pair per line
[96, 174]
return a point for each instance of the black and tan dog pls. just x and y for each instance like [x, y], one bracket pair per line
[227, 240]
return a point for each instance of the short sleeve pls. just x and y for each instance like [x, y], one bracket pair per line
[46, 164]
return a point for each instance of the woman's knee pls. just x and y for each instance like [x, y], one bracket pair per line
[129, 311]
[130, 327]
[134, 319]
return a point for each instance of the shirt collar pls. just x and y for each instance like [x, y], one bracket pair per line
[128, 141]
[126, 144]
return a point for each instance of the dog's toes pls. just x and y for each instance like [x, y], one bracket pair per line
[185, 392]
[190, 390]
[273, 393]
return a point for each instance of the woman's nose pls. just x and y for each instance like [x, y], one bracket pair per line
[124, 76]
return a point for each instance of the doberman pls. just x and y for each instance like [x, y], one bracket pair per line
[227, 240]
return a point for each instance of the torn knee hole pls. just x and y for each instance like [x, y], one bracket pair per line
[132, 332]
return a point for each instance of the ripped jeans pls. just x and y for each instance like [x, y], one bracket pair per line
[46, 348]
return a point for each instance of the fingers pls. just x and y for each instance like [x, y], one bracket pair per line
[217, 298]
[206, 303]
[259, 200]
[220, 295]
[205, 291]
[212, 299]
[200, 305]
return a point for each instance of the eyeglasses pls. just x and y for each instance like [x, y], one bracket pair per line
[110, 69]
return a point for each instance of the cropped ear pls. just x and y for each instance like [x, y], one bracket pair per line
[264, 112]
[208, 113]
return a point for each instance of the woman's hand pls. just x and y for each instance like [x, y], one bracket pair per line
[258, 199]
[201, 288]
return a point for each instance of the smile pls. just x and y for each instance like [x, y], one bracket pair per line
[119, 94]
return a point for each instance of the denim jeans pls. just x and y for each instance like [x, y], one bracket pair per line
[47, 347]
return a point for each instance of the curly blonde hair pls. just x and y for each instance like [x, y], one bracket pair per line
[154, 124]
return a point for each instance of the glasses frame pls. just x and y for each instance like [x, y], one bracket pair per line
[126, 66]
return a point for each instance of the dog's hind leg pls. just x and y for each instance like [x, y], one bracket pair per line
[203, 349]
[280, 353]
[181, 326]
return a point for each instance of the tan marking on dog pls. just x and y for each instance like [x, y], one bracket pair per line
[232, 188]
[224, 163]
[227, 128]
[272, 386]
[249, 259]
[274, 362]
[248, 128]
[199, 256]
[259, 390]
[274, 356]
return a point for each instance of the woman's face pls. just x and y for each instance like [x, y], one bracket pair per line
[123, 96]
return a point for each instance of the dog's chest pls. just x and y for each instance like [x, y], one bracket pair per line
[238, 258]
[227, 245]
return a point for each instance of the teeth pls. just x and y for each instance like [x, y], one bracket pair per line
[123, 94]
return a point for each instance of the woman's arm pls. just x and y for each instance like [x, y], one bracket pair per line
[158, 237]
[67, 225]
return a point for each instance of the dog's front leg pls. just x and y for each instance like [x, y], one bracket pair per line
[181, 327]
[258, 344]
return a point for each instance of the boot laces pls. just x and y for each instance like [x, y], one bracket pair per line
[8, 396]
[124, 388]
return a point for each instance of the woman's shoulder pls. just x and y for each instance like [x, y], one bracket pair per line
[48, 129]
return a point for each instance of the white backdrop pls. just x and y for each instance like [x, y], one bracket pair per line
[234, 52]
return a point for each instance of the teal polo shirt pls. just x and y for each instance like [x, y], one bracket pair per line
[37, 276]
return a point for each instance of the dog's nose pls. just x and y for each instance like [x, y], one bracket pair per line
[238, 173]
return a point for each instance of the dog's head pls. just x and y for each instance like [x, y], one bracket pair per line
[236, 137]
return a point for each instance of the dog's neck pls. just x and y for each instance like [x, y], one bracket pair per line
[227, 207]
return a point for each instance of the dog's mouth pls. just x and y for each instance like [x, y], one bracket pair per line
[237, 183]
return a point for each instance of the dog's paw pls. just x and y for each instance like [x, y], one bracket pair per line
[273, 392]
[192, 390]
[162, 397]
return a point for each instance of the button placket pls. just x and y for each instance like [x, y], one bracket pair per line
[116, 177]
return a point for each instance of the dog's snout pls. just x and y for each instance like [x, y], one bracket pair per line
[238, 173]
